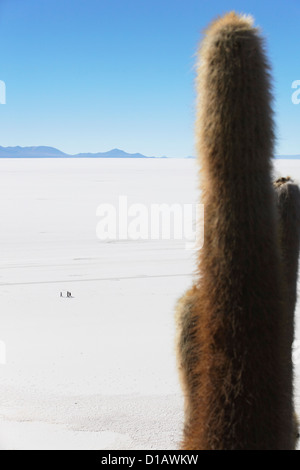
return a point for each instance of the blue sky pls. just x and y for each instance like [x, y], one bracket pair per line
[92, 75]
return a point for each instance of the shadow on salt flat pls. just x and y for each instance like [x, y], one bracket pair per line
[45, 436]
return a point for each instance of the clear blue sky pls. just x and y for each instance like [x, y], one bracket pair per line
[92, 75]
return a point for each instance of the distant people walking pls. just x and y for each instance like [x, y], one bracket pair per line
[66, 294]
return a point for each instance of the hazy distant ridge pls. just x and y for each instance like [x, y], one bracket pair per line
[51, 152]
[288, 157]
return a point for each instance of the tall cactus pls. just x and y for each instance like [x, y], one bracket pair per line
[234, 348]
[288, 202]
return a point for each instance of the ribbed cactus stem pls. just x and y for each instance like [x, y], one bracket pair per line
[235, 354]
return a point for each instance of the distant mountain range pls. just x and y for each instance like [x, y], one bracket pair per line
[51, 152]
[288, 157]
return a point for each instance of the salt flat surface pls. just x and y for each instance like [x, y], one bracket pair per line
[95, 371]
